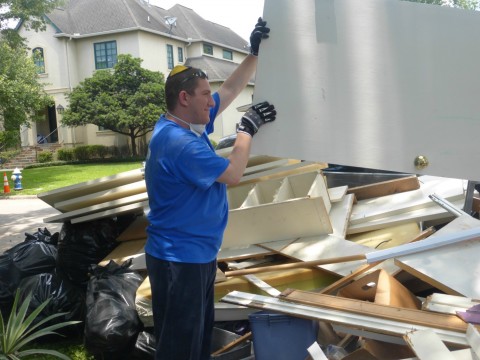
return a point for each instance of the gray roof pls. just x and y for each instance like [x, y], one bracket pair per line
[90, 17]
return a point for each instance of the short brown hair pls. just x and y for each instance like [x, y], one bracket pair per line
[182, 81]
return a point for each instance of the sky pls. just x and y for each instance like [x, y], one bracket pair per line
[239, 15]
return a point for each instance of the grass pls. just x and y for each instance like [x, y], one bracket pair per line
[42, 179]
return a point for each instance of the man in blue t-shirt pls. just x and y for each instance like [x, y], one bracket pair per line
[186, 184]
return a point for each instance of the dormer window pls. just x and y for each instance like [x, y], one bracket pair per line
[227, 54]
[39, 60]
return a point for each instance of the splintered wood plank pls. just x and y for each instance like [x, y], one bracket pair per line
[97, 208]
[91, 186]
[93, 198]
[461, 260]
[384, 188]
[427, 345]
[390, 101]
[373, 209]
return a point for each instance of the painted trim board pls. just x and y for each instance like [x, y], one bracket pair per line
[384, 188]
[388, 102]
[427, 345]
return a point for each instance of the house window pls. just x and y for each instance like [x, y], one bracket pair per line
[208, 49]
[170, 56]
[227, 54]
[105, 54]
[39, 60]
[180, 54]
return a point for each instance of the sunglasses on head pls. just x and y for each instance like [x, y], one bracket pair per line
[181, 68]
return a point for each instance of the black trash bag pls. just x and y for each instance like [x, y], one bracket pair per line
[64, 297]
[6, 295]
[29, 258]
[144, 347]
[112, 323]
[43, 235]
[81, 245]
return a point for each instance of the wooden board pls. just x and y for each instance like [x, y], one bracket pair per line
[276, 221]
[370, 84]
[384, 188]
[137, 208]
[427, 345]
[381, 207]
[97, 208]
[93, 198]
[92, 186]
[125, 251]
[461, 260]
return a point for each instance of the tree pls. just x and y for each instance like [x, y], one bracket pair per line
[22, 97]
[127, 100]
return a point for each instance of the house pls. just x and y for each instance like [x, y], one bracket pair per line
[86, 36]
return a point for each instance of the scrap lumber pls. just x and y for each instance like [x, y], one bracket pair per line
[136, 208]
[448, 304]
[384, 188]
[427, 345]
[92, 186]
[355, 316]
[66, 216]
[337, 194]
[128, 250]
[380, 207]
[136, 230]
[93, 198]
[461, 259]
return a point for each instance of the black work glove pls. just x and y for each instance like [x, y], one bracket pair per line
[255, 117]
[259, 32]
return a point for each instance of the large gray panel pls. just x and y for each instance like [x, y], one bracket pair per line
[372, 83]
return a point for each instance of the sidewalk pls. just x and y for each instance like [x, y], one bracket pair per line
[23, 214]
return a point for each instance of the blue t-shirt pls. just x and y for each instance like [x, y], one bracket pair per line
[188, 207]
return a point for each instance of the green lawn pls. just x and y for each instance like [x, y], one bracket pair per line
[43, 179]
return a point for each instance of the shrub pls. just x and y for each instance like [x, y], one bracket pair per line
[97, 151]
[45, 156]
[6, 156]
[81, 152]
[65, 154]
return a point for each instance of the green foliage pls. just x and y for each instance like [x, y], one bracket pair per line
[127, 100]
[9, 139]
[65, 154]
[45, 156]
[21, 330]
[6, 156]
[97, 151]
[81, 152]
[22, 97]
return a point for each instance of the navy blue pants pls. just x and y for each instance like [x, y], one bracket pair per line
[183, 308]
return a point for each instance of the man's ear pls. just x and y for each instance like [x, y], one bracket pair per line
[183, 98]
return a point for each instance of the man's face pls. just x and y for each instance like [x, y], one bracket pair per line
[201, 102]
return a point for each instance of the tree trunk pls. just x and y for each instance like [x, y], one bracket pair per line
[134, 144]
